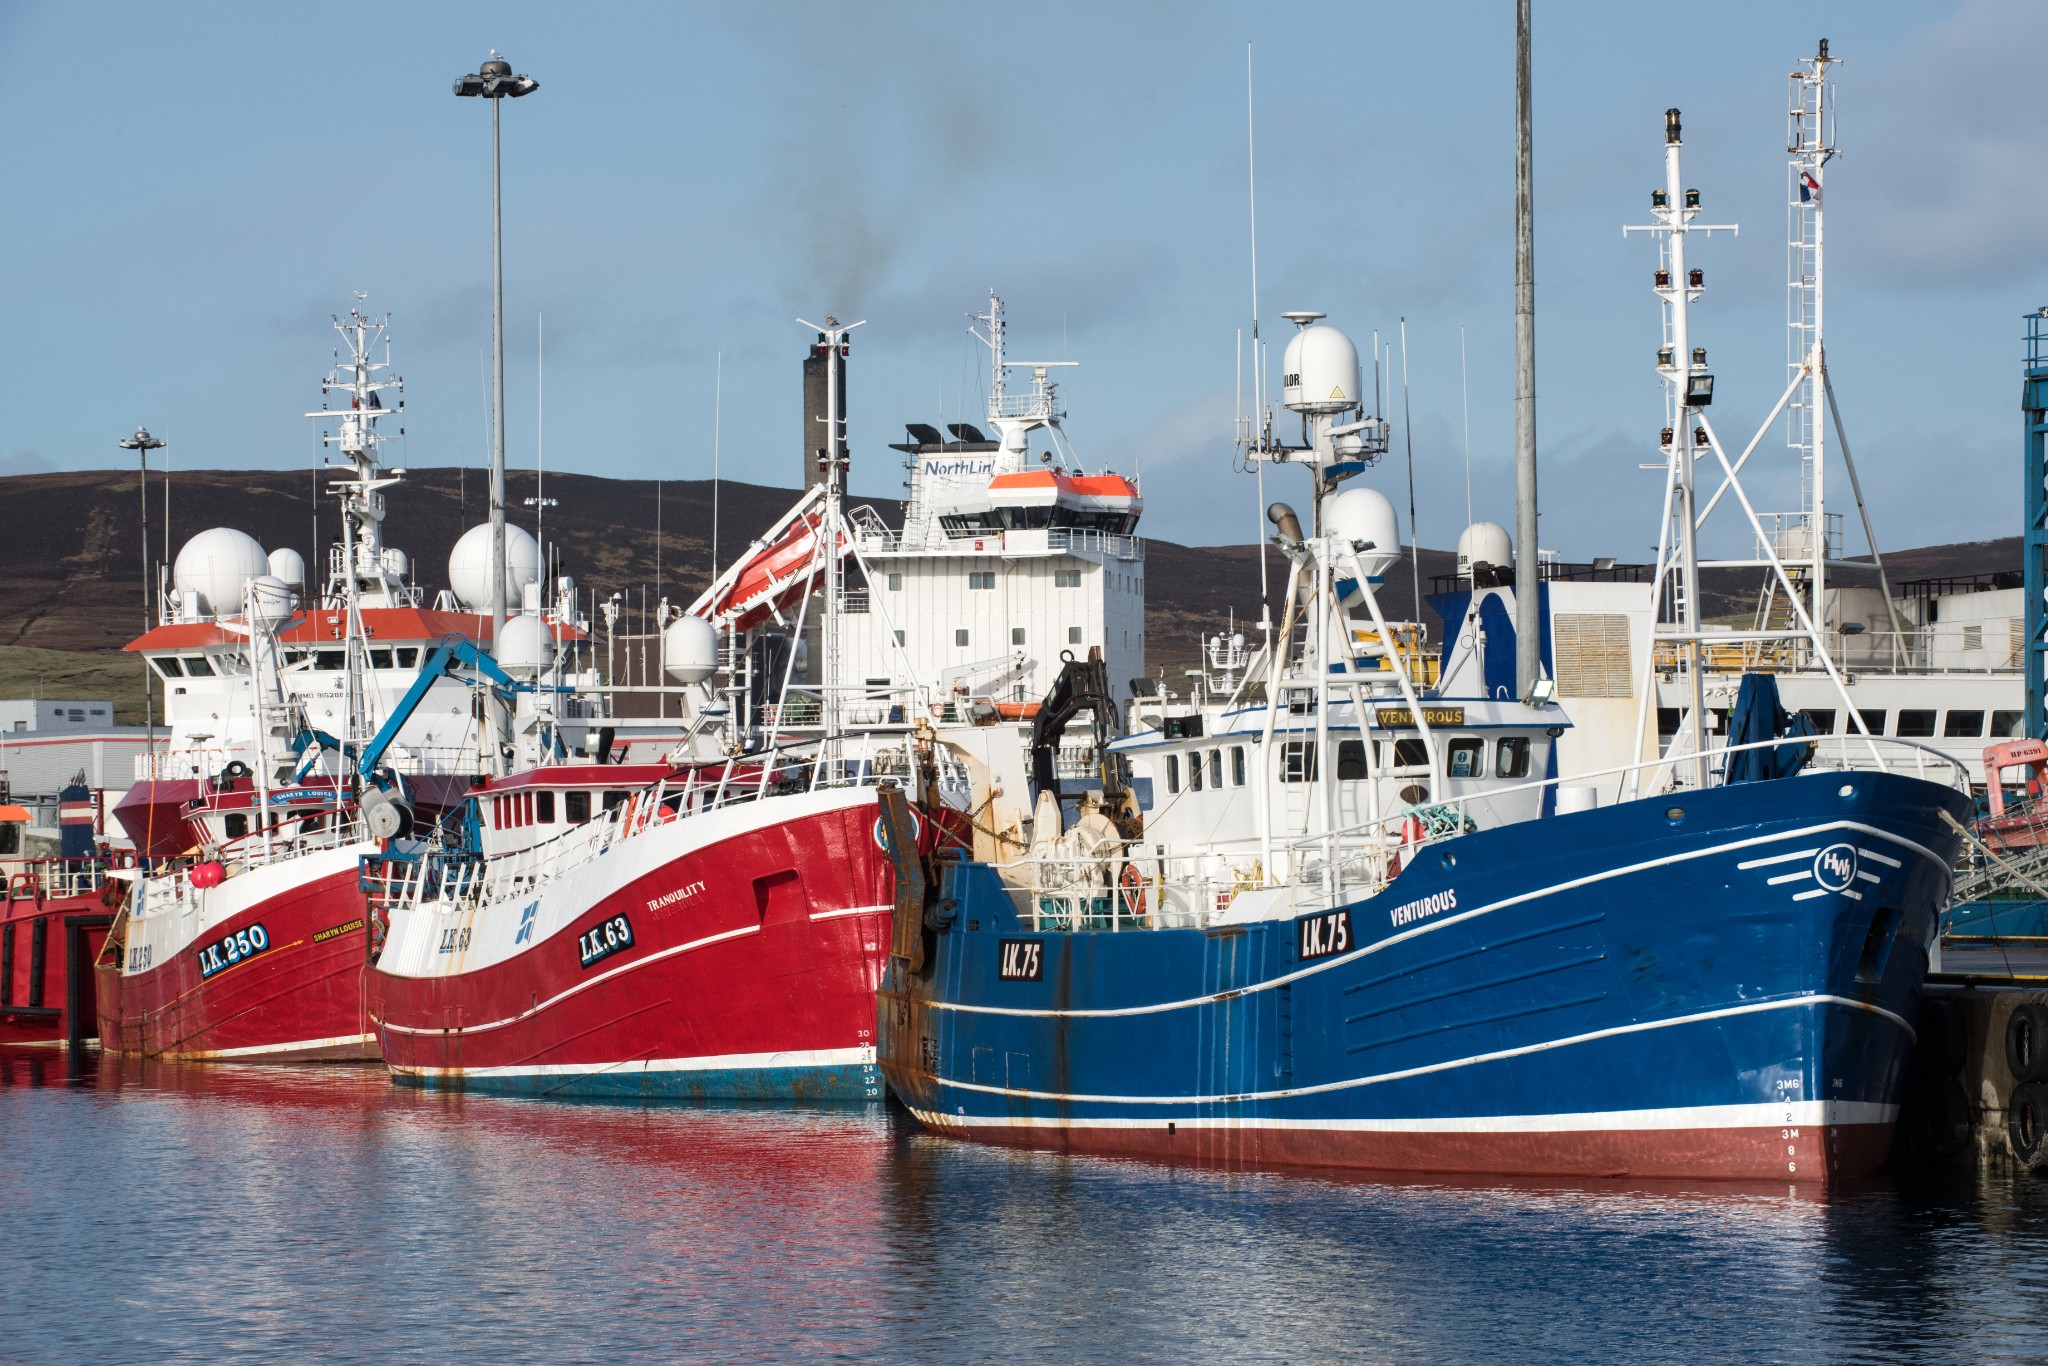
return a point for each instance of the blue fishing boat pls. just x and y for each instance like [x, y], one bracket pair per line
[1345, 912]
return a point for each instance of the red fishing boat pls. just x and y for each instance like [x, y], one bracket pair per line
[712, 926]
[643, 931]
[244, 936]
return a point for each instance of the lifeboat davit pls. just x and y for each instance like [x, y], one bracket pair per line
[773, 576]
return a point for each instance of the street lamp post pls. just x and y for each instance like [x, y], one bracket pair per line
[494, 81]
[142, 443]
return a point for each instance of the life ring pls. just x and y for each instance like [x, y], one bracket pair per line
[1130, 890]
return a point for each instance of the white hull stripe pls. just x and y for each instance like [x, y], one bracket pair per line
[1431, 927]
[1796, 1114]
[559, 997]
[297, 1046]
[852, 910]
[863, 1056]
[651, 958]
[1349, 1083]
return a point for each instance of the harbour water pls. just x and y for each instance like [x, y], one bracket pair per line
[194, 1212]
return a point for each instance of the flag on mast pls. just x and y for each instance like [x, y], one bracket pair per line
[1809, 189]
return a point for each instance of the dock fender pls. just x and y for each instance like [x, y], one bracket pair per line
[2026, 1125]
[2026, 1042]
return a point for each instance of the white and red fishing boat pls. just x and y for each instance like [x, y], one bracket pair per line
[244, 935]
[712, 926]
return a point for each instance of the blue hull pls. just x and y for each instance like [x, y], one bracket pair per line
[1727, 991]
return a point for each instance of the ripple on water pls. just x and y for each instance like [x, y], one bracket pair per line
[164, 1211]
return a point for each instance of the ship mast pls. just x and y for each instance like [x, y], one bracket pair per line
[1688, 388]
[360, 573]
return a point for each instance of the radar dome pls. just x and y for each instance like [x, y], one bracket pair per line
[289, 568]
[690, 649]
[469, 567]
[1319, 372]
[270, 602]
[1485, 543]
[1365, 518]
[524, 646]
[217, 565]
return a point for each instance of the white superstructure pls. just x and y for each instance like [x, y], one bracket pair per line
[1011, 556]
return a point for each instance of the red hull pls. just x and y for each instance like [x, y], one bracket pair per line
[754, 958]
[1809, 1153]
[47, 951]
[299, 999]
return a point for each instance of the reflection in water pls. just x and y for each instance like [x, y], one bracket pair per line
[255, 1211]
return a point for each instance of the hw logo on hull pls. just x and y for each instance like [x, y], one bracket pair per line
[1835, 867]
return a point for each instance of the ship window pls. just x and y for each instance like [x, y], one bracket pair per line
[1173, 773]
[197, 667]
[1016, 635]
[1667, 722]
[237, 825]
[982, 579]
[1823, 719]
[330, 659]
[1916, 723]
[2005, 725]
[408, 656]
[1511, 757]
[1351, 767]
[895, 583]
[960, 637]
[1404, 754]
[1073, 635]
[1237, 765]
[899, 637]
[1963, 724]
[1195, 771]
[544, 808]
[380, 659]
[1467, 758]
[1298, 761]
[1215, 768]
[1066, 578]
[576, 807]
[614, 800]
[1873, 721]
[169, 667]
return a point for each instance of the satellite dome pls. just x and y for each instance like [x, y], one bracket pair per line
[1319, 372]
[1364, 517]
[288, 567]
[270, 602]
[217, 565]
[689, 649]
[469, 567]
[1484, 543]
[524, 645]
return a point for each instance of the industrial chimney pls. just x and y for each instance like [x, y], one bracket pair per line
[816, 433]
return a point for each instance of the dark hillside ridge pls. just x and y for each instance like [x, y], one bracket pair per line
[70, 569]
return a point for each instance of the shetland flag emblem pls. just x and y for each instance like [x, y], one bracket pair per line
[1809, 189]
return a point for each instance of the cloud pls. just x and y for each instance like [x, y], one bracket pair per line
[1945, 134]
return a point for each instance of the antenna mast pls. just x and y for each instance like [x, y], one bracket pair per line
[1808, 151]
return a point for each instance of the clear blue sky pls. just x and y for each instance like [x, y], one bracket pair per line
[192, 190]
